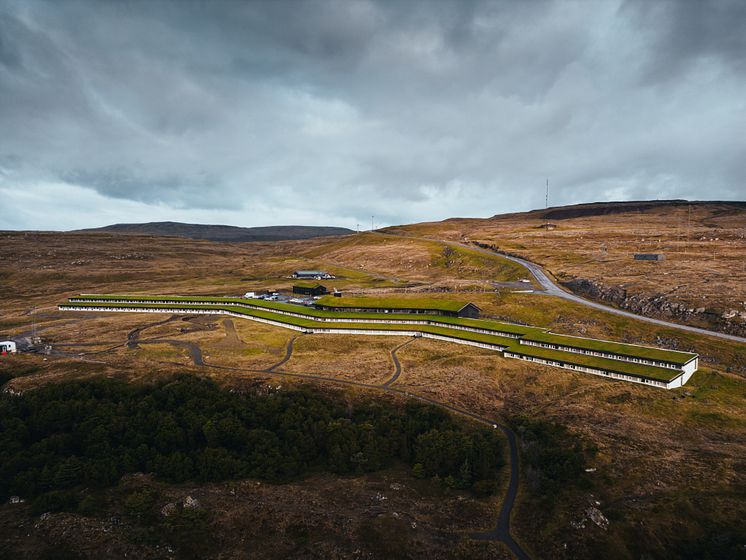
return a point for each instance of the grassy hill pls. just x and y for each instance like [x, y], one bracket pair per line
[668, 470]
[590, 249]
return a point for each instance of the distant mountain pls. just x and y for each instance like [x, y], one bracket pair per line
[222, 233]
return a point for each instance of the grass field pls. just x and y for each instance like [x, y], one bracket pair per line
[309, 321]
[704, 245]
[669, 471]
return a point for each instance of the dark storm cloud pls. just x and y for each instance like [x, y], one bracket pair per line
[690, 31]
[332, 111]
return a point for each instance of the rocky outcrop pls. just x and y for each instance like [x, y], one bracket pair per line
[730, 321]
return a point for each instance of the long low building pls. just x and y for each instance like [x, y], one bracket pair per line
[633, 353]
[651, 366]
[428, 306]
[614, 369]
[312, 275]
[485, 326]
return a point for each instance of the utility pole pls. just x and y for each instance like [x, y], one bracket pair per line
[33, 326]
[688, 225]
[371, 223]
[546, 207]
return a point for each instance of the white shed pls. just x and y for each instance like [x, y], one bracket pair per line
[7, 347]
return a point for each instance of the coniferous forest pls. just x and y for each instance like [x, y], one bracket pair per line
[88, 434]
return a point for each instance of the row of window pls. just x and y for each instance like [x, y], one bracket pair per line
[586, 369]
[299, 315]
[609, 355]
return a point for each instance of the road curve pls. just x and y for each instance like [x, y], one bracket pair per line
[501, 531]
[133, 337]
[288, 355]
[195, 352]
[553, 289]
[397, 364]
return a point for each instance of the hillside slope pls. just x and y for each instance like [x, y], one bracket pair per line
[223, 233]
[587, 210]
[589, 248]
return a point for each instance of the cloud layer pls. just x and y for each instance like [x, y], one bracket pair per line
[328, 112]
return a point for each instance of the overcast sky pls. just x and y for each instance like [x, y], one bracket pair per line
[328, 112]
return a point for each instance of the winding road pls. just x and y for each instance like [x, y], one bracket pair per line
[133, 337]
[552, 289]
[501, 531]
[288, 355]
[397, 364]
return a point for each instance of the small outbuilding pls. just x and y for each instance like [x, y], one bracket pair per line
[7, 347]
[650, 257]
[309, 289]
[312, 275]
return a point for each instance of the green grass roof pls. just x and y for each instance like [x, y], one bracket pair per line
[310, 323]
[308, 285]
[498, 327]
[310, 318]
[435, 304]
[629, 350]
[489, 324]
[627, 368]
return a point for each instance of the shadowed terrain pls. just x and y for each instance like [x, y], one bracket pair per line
[589, 249]
[607, 468]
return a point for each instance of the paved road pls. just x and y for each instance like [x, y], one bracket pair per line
[133, 337]
[288, 355]
[553, 289]
[195, 352]
[501, 531]
[397, 365]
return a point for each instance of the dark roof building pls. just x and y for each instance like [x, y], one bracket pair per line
[309, 289]
[312, 274]
[650, 257]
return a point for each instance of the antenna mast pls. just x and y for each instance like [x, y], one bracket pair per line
[546, 207]
[688, 226]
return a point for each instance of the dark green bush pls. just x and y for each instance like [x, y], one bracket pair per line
[88, 434]
[552, 456]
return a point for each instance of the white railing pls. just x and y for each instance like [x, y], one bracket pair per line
[299, 315]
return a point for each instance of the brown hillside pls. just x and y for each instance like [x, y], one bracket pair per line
[590, 248]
